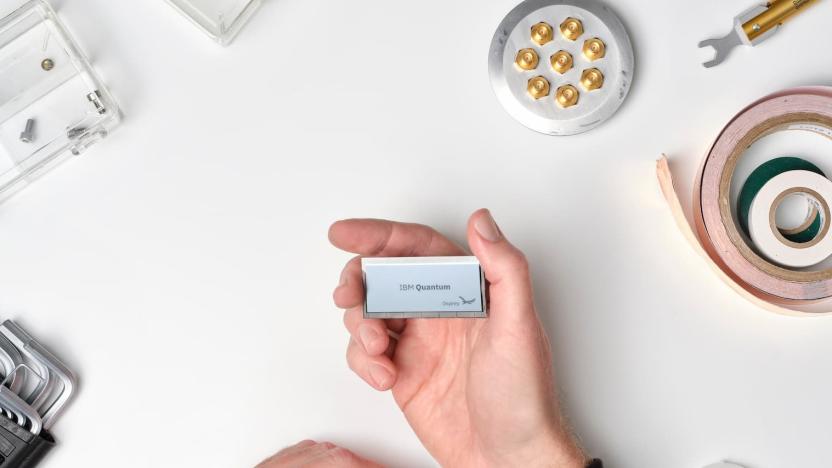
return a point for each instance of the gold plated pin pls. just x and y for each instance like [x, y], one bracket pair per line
[566, 96]
[592, 78]
[561, 61]
[571, 28]
[594, 49]
[538, 87]
[527, 59]
[542, 33]
[47, 64]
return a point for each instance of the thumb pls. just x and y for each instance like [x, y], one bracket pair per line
[505, 267]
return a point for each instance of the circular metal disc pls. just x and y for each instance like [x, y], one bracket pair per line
[545, 115]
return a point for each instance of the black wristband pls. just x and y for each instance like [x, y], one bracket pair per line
[595, 463]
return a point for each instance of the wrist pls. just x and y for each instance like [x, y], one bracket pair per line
[557, 450]
[561, 451]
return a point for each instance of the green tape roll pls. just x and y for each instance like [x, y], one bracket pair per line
[763, 174]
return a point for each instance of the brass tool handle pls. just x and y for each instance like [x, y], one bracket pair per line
[778, 12]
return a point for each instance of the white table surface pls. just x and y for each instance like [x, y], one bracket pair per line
[182, 267]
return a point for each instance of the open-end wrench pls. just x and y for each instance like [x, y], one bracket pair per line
[753, 26]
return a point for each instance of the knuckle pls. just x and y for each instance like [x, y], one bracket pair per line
[519, 261]
[383, 240]
[340, 454]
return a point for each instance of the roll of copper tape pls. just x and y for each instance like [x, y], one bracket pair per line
[777, 288]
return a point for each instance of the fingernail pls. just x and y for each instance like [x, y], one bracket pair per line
[380, 375]
[487, 228]
[368, 335]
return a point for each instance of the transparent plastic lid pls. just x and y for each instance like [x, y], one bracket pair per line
[221, 19]
[51, 102]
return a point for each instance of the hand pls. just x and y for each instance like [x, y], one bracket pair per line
[477, 392]
[311, 454]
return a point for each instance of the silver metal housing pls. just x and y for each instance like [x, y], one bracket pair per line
[544, 115]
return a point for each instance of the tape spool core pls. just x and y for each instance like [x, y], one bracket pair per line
[818, 208]
[810, 216]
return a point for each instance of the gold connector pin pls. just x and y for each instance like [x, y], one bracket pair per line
[527, 59]
[592, 78]
[566, 96]
[594, 49]
[542, 33]
[561, 61]
[538, 87]
[571, 28]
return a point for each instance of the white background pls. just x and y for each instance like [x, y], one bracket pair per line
[182, 267]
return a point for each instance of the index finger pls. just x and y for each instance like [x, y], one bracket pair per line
[382, 238]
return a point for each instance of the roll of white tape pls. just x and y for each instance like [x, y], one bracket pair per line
[769, 240]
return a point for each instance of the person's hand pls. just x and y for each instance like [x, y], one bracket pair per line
[311, 454]
[477, 392]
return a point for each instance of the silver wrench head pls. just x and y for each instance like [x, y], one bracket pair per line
[722, 47]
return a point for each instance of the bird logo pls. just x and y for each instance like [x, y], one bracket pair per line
[467, 302]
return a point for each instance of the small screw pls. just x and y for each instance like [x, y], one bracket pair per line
[95, 98]
[76, 132]
[28, 133]
[47, 64]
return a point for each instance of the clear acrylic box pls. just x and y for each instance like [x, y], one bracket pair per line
[221, 19]
[45, 80]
